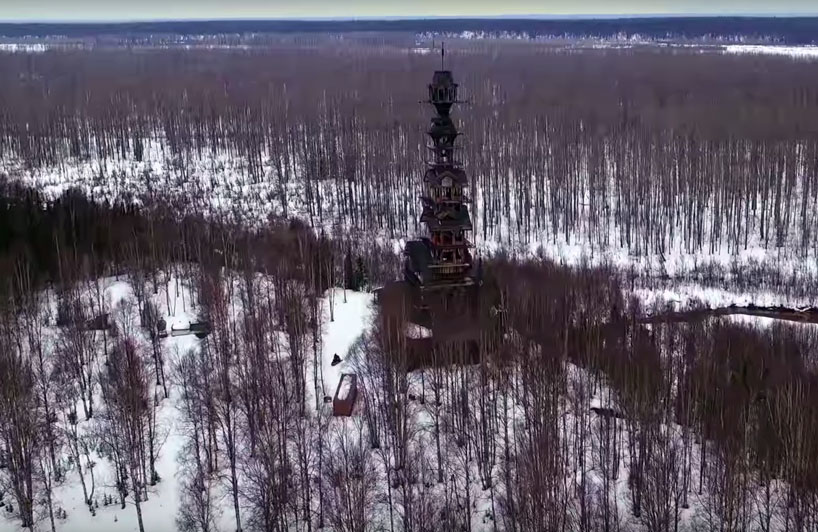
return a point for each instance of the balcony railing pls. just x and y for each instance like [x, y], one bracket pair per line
[449, 268]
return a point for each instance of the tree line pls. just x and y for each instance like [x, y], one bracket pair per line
[795, 30]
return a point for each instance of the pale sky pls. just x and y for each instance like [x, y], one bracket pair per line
[124, 10]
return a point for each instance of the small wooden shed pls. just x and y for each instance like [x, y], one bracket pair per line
[345, 395]
[100, 322]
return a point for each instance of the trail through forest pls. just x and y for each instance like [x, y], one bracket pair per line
[802, 315]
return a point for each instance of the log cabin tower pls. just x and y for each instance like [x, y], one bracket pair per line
[439, 305]
[442, 258]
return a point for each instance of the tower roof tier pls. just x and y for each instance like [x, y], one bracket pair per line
[451, 148]
[443, 127]
[451, 220]
[443, 78]
[443, 91]
[432, 202]
[438, 175]
[422, 268]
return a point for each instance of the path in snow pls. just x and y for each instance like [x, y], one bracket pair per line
[804, 315]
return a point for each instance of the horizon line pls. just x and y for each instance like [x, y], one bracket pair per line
[419, 18]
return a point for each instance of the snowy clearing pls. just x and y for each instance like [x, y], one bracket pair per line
[795, 52]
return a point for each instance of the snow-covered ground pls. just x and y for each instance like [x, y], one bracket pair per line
[690, 295]
[351, 317]
[23, 48]
[796, 52]
[220, 185]
[346, 316]
[159, 509]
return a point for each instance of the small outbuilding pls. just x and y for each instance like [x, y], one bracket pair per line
[345, 395]
[101, 322]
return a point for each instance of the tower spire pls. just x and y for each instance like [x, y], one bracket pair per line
[442, 55]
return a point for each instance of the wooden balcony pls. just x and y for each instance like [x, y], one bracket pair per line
[449, 268]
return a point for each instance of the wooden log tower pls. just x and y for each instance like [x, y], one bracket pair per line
[436, 308]
[442, 258]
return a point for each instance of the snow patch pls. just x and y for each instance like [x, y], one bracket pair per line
[796, 52]
[417, 332]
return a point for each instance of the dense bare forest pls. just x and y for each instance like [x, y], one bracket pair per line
[642, 152]
[260, 191]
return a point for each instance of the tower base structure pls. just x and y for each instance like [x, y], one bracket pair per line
[436, 327]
